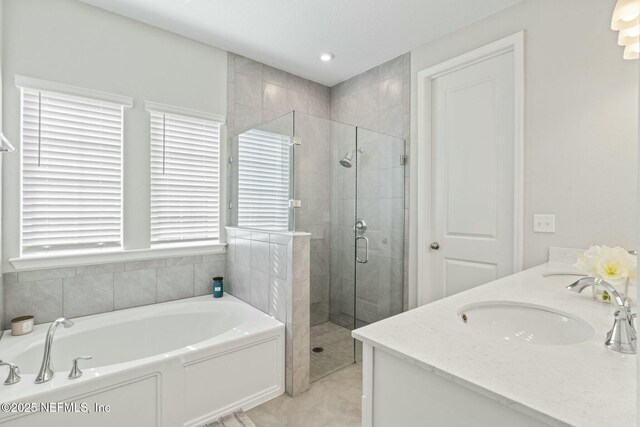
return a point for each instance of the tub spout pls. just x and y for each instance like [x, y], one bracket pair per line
[46, 371]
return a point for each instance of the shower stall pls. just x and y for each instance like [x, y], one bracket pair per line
[345, 185]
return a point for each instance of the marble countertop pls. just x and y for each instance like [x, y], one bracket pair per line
[582, 384]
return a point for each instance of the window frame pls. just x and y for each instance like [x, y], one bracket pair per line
[158, 108]
[60, 90]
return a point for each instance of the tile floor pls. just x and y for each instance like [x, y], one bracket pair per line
[333, 401]
[337, 351]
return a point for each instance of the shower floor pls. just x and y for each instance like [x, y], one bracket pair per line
[337, 349]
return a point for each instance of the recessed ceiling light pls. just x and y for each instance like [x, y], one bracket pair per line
[327, 56]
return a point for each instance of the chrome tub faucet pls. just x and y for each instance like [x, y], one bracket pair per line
[622, 336]
[14, 373]
[46, 372]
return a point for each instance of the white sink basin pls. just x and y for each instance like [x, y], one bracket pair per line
[522, 322]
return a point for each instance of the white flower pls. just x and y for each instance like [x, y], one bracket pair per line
[613, 265]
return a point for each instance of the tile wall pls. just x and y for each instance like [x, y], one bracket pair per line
[271, 271]
[84, 290]
[258, 93]
[379, 100]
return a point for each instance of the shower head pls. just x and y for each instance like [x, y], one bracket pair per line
[347, 160]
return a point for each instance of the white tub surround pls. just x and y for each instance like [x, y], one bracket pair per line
[271, 271]
[182, 363]
[426, 365]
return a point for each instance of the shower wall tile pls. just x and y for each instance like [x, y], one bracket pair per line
[296, 100]
[92, 289]
[379, 100]
[392, 68]
[319, 106]
[261, 93]
[273, 98]
[248, 91]
[246, 117]
[375, 93]
[246, 67]
[274, 75]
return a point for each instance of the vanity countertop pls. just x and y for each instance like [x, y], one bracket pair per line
[583, 384]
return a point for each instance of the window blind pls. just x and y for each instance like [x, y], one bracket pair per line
[71, 172]
[263, 180]
[185, 178]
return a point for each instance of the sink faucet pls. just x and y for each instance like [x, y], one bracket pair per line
[46, 372]
[622, 336]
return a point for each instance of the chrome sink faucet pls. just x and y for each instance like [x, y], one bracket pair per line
[46, 372]
[622, 336]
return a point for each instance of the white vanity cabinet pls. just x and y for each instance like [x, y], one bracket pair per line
[398, 392]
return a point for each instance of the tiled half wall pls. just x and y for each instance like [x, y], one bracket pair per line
[271, 272]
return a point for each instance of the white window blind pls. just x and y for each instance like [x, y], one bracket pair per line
[263, 180]
[185, 178]
[71, 172]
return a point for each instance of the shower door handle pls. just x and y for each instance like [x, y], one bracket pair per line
[366, 250]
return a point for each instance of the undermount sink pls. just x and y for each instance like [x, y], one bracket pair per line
[522, 322]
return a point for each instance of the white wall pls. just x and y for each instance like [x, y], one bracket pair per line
[581, 114]
[73, 43]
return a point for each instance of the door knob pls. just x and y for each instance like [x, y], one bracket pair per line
[435, 245]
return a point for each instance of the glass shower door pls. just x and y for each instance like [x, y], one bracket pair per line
[331, 342]
[379, 227]
[366, 234]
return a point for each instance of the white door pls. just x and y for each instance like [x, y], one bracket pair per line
[473, 176]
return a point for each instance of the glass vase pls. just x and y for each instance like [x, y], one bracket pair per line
[603, 296]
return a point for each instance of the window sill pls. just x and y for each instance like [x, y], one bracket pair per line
[102, 256]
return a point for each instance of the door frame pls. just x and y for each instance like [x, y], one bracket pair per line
[421, 225]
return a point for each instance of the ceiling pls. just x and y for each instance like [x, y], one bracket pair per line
[291, 34]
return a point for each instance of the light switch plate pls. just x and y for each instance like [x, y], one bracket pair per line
[544, 223]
